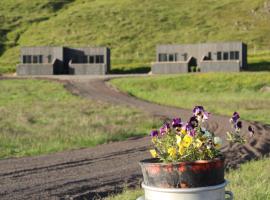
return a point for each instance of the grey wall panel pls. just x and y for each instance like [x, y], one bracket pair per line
[34, 69]
[221, 66]
[198, 51]
[169, 68]
[88, 69]
[62, 57]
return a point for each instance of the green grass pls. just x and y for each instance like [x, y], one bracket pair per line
[39, 117]
[249, 182]
[131, 28]
[220, 93]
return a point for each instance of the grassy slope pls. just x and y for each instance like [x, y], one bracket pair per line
[39, 117]
[132, 28]
[220, 93]
[243, 183]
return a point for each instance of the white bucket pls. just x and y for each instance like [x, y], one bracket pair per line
[216, 192]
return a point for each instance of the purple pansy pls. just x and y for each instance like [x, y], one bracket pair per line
[154, 133]
[176, 122]
[235, 117]
[164, 129]
[238, 125]
[193, 122]
[198, 110]
[192, 132]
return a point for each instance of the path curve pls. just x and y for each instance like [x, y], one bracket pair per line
[99, 171]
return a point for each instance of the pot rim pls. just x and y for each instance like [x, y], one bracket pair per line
[156, 161]
[186, 190]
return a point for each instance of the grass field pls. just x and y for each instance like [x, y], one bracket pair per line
[40, 117]
[243, 183]
[132, 28]
[220, 93]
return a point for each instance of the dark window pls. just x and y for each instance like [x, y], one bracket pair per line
[49, 58]
[232, 55]
[91, 59]
[225, 56]
[35, 59]
[219, 56]
[171, 57]
[236, 55]
[209, 56]
[176, 57]
[40, 59]
[84, 59]
[24, 59]
[162, 57]
[185, 56]
[28, 59]
[99, 59]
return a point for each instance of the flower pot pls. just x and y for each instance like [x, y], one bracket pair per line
[201, 173]
[216, 192]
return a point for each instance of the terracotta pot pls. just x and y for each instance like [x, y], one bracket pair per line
[200, 173]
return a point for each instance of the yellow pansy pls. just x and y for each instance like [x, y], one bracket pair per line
[153, 153]
[181, 150]
[187, 140]
[183, 131]
[198, 143]
[172, 152]
[178, 139]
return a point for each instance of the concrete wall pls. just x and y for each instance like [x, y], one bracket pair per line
[87, 69]
[199, 51]
[169, 67]
[61, 58]
[34, 69]
[218, 66]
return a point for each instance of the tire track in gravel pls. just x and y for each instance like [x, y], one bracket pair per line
[99, 171]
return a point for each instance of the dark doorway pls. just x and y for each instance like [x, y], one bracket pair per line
[192, 65]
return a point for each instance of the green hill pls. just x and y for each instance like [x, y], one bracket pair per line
[131, 28]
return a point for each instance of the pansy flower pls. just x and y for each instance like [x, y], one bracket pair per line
[235, 117]
[193, 122]
[164, 129]
[176, 122]
[198, 110]
[154, 133]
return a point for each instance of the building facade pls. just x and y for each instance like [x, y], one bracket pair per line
[208, 57]
[64, 60]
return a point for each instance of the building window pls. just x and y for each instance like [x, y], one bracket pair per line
[232, 55]
[209, 57]
[91, 59]
[24, 59]
[35, 59]
[49, 58]
[219, 55]
[40, 59]
[171, 57]
[176, 57]
[28, 59]
[162, 57]
[225, 56]
[185, 56]
[236, 55]
[99, 59]
[84, 59]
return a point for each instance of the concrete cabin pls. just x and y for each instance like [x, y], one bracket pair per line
[64, 60]
[208, 57]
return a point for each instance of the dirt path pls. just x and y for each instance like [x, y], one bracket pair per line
[99, 171]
